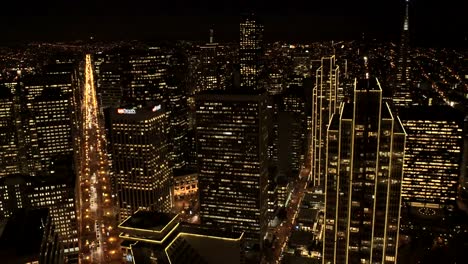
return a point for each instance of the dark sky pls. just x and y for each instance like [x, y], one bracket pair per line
[443, 23]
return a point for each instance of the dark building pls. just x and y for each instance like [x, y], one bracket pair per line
[140, 162]
[432, 155]
[232, 136]
[29, 236]
[464, 164]
[110, 80]
[292, 132]
[363, 181]
[251, 36]
[153, 237]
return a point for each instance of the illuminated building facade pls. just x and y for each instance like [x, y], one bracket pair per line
[210, 75]
[324, 105]
[185, 184]
[8, 143]
[140, 161]
[145, 77]
[52, 192]
[52, 111]
[402, 94]
[232, 136]
[366, 144]
[110, 81]
[251, 36]
[432, 154]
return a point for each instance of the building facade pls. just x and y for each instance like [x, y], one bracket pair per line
[324, 105]
[363, 181]
[432, 155]
[140, 161]
[251, 36]
[232, 134]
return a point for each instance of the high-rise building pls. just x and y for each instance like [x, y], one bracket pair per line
[292, 132]
[145, 74]
[52, 111]
[30, 237]
[365, 152]
[8, 144]
[110, 81]
[209, 75]
[324, 105]
[464, 164]
[251, 36]
[402, 93]
[232, 135]
[432, 155]
[140, 161]
[54, 192]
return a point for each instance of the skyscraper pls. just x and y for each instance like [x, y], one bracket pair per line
[232, 134]
[365, 152]
[139, 153]
[8, 144]
[210, 77]
[324, 105]
[251, 36]
[432, 155]
[402, 93]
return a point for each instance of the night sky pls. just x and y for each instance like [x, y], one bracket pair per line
[432, 24]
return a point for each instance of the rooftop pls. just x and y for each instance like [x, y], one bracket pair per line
[148, 220]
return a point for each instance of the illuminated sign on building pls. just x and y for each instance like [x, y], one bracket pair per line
[156, 108]
[126, 111]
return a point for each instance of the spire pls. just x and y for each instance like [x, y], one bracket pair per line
[405, 25]
[211, 35]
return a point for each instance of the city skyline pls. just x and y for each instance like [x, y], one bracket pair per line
[234, 149]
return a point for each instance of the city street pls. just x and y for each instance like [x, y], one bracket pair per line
[98, 241]
[283, 231]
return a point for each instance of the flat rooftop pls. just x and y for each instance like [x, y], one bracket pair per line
[155, 221]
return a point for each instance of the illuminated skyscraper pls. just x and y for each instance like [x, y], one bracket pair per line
[232, 135]
[8, 144]
[53, 116]
[110, 81]
[365, 155]
[210, 77]
[324, 105]
[432, 155]
[402, 93]
[251, 36]
[139, 153]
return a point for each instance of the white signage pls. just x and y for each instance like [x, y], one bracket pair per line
[126, 111]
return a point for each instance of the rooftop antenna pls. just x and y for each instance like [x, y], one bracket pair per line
[211, 35]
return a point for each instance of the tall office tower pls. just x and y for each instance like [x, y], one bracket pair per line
[50, 101]
[8, 143]
[251, 35]
[209, 72]
[177, 109]
[145, 77]
[30, 237]
[96, 213]
[139, 151]
[21, 154]
[365, 155]
[52, 192]
[432, 155]
[110, 81]
[292, 132]
[232, 135]
[52, 111]
[324, 105]
[402, 93]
